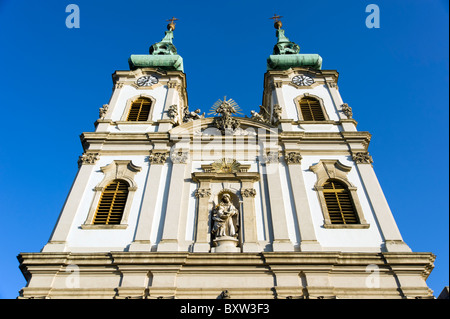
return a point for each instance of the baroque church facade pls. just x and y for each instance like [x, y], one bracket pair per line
[170, 202]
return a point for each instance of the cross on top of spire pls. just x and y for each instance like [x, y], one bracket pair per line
[276, 19]
[171, 25]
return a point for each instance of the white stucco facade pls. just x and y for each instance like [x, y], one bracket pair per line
[181, 169]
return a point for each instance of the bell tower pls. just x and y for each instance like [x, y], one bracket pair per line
[318, 126]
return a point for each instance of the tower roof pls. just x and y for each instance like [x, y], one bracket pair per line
[162, 55]
[286, 53]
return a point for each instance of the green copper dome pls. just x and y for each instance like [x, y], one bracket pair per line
[286, 54]
[162, 55]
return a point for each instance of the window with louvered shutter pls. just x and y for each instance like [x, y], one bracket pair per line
[139, 110]
[112, 204]
[339, 203]
[311, 109]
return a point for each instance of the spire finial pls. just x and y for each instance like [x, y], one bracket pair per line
[276, 19]
[171, 25]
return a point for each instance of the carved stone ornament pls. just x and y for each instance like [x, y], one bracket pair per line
[172, 111]
[249, 192]
[224, 295]
[226, 109]
[191, 116]
[332, 84]
[271, 157]
[264, 113]
[102, 111]
[362, 158]
[88, 158]
[158, 157]
[226, 165]
[257, 117]
[347, 110]
[276, 113]
[293, 158]
[202, 192]
[179, 157]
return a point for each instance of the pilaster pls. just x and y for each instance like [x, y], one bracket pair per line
[171, 99]
[279, 98]
[250, 240]
[57, 242]
[281, 241]
[104, 120]
[202, 238]
[392, 238]
[142, 242]
[170, 238]
[308, 239]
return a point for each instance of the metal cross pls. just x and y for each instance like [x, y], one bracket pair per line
[276, 17]
[172, 20]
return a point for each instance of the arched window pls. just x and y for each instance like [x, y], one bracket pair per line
[112, 203]
[311, 109]
[139, 110]
[339, 203]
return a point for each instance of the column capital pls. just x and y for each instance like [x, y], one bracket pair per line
[203, 192]
[271, 157]
[88, 158]
[362, 158]
[249, 192]
[293, 157]
[158, 157]
[179, 157]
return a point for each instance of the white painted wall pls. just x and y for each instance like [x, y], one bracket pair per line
[341, 239]
[127, 92]
[118, 239]
[106, 239]
[290, 93]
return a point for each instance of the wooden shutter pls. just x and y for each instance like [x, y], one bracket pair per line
[139, 110]
[339, 203]
[311, 109]
[112, 203]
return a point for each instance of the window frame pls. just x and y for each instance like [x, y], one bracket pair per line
[335, 192]
[130, 102]
[112, 204]
[321, 104]
[117, 170]
[335, 170]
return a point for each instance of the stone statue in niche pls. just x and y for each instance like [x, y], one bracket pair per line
[225, 218]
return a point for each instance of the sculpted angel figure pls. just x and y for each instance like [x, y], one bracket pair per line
[225, 218]
[190, 116]
[257, 116]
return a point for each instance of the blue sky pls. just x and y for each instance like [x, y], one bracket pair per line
[55, 79]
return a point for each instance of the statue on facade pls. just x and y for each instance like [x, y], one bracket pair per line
[225, 121]
[225, 218]
[191, 116]
[257, 117]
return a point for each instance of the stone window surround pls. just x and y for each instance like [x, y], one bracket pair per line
[334, 169]
[117, 169]
[130, 101]
[322, 106]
